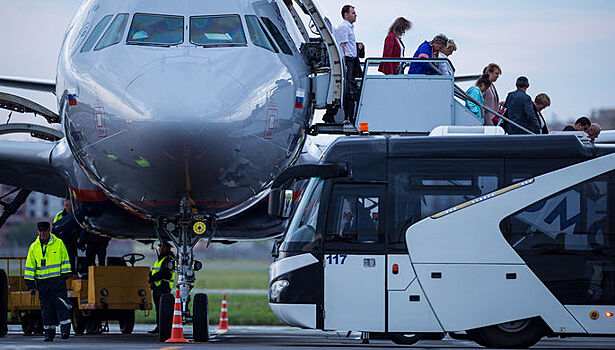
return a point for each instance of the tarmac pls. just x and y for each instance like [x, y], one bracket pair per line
[262, 337]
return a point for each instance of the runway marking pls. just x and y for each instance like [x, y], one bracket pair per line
[171, 348]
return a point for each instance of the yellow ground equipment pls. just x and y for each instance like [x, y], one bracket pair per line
[104, 293]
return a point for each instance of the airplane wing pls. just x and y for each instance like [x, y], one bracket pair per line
[27, 165]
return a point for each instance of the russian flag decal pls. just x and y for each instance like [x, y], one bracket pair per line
[72, 100]
[300, 99]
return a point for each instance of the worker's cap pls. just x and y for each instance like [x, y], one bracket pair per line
[43, 226]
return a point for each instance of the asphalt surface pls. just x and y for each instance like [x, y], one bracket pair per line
[262, 338]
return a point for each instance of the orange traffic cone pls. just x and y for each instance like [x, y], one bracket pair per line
[223, 316]
[177, 333]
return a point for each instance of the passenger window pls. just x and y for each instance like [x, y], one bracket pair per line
[217, 31]
[568, 240]
[277, 36]
[354, 214]
[258, 35]
[162, 30]
[114, 33]
[89, 43]
[421, 188]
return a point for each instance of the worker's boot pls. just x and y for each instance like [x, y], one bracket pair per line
[50, 333]
[65, 328]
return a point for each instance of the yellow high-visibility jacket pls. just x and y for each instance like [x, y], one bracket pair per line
[56, 259]
[157, 269]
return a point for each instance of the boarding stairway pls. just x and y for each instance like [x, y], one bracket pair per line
[409, 103]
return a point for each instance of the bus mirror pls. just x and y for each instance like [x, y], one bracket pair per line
[280, 203]
[287, 204]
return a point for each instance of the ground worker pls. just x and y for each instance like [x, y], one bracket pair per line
[47, 268]
[162, 277]
[66, 228]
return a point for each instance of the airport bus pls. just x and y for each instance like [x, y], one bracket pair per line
[501, 239]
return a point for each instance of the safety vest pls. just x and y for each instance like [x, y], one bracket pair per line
[156, 269]
[47, 260]
[59, 216]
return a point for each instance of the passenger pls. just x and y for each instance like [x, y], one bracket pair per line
[445, 53]
[476, 92]
[520, 109]
[428, 49]
[393, 45]
[582, 124]
[492, 99]
[541, 102]
[346, 38]
[593, 131]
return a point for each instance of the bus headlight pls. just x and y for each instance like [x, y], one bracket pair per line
[276, 288]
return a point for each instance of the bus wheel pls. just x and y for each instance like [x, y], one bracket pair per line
[200, 318]
[4, 300]
[405, 339]
[78, 321]
[165, 319]
[127, 321]
[516, 334]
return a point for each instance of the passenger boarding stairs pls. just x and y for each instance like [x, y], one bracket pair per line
[408, 103]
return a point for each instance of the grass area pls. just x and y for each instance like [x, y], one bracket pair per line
[242, 310]
[233, 274]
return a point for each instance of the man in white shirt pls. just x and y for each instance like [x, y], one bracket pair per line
[346, 38]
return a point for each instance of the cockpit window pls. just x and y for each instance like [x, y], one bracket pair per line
[163, 30]
[217, 31]
[277, 35]
[114, 33]
[95, 34]
[258, 35]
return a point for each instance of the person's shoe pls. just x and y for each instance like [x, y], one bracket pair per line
[154, 331]
[50, 334]
[65, 328]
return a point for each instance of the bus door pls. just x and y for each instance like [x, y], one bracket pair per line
[354, 258]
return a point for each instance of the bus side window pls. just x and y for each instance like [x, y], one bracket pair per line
[568, 241]
[354, 214]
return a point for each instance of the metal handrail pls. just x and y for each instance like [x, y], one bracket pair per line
[377, 60]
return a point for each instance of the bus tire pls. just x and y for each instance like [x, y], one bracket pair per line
[200, 318]
[78, 321]
[432, 336]
[4, 301]
[127, 321]
[405, 339]
[165, 319]
[517, 334]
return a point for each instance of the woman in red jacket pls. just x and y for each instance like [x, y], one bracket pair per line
[393, 46]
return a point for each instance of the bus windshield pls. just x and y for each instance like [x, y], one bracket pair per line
[301, 234]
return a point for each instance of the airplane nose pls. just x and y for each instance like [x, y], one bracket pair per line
[195, 121]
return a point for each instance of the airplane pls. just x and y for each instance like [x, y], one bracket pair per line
[176, 117]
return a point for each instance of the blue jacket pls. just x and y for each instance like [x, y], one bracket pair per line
[424, 51]
[520, 109]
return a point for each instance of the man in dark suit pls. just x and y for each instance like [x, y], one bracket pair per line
[520, 109]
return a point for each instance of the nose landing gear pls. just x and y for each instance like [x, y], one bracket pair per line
[185, 232]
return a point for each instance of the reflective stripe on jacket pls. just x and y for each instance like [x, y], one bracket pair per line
[156, 269]
[59, 216]
[56, 259]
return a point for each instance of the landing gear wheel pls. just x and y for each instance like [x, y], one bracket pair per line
[405, 339]
[78, 321]
[517, 334]
[200, 318]
[4, 295]
[127, 321]
[165, 318]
